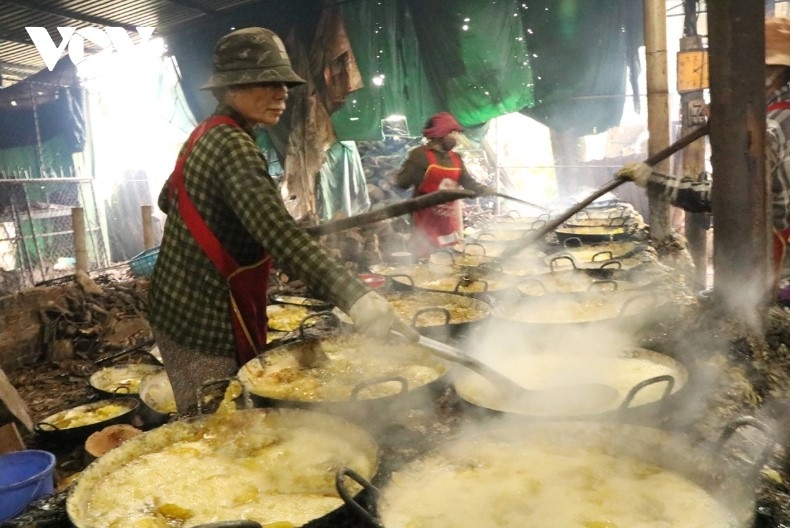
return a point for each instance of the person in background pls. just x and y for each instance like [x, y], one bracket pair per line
[226, 224]
[431, 167]
[695, 196]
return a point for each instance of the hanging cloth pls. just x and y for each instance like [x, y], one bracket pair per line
[247, 285]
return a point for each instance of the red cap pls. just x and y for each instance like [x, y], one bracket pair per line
[440, 125]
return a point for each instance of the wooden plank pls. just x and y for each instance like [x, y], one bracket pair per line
[10, 439]
[11, 404]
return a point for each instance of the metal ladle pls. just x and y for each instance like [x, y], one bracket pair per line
[582, 393]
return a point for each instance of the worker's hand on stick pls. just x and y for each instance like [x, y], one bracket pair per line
[374, 316]
[639, 173]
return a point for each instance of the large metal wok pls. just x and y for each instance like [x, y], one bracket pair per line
[344, 373]
[615, 229]
[647, 382]
[596, 255]
[264, 465]
[76, 424]
[121, 379]
[628, 310]
[478, 282]
[436, 314]
[608, 277]
[568, 474]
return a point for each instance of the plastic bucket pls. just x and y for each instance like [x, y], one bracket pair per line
[24, 477]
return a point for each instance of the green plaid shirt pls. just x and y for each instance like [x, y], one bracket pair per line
[227, 180]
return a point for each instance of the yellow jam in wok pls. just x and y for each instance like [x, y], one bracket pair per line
[517, 486]
[330, 369]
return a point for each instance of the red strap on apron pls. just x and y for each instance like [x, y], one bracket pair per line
[247, 284]
[780, 105]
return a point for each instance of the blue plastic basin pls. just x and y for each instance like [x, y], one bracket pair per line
[24, 477]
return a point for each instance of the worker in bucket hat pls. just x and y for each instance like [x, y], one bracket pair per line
[226, 225]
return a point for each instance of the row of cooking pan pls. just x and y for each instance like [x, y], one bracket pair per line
[666, 478]
[641, 449]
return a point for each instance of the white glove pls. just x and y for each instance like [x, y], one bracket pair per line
[636, 172]
[374, 316]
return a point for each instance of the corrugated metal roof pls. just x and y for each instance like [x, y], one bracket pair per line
[19, 58]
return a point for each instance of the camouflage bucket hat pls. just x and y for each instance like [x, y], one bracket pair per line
[251, 55]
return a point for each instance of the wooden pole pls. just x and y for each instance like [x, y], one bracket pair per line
[80, 247]
[740, 191]
[654, 24]
[148, 228]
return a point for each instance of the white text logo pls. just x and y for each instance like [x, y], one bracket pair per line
[107, 39]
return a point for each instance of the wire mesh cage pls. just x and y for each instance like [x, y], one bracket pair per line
[37, 240]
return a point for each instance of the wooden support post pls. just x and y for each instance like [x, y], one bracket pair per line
[740, 197]
[655, 27]
[80, 247]
[148, 229]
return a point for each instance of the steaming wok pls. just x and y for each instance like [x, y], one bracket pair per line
[266, 465]
[78, 423]
[435, 313]
[476, 282]
[605, 279]
[628, 309]
[568, 474]
[487, 246]
[645, 380]
[615, 229]
[597, 255]
[344, 373]
[121, 379]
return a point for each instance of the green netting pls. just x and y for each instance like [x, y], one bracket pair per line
[477, 73]
[562, 62]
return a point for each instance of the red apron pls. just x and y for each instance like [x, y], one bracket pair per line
[247, 285]
[437, 227]
[779, 238]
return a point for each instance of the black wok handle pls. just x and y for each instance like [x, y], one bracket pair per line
[445, 252]
[737, 424]
[45, 427]
[474, 244]
[534, 281]
[612, 264]
[468, 281]
[247, 403]
[350, 501]
[318, 315]
[577, 242]
[667, 378]
[637, 297]
[376, 381]
[411, 280]
[561, 257]
[606, 252]
[427, 309]
[599, 285]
